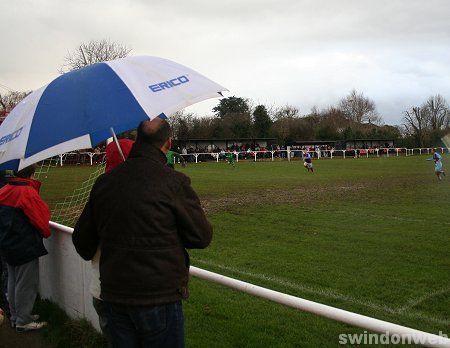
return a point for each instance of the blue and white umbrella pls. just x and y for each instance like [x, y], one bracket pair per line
[79, 109]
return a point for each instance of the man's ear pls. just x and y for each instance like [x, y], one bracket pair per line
[167, 145]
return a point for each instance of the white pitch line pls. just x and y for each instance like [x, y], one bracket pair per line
[328, 293]
[414, 302]
[315, 291]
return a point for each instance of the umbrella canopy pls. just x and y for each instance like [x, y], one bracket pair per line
[78, 109]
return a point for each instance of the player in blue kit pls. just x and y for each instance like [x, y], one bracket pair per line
[438, 166]
[307, 162]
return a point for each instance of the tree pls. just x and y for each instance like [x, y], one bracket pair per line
[287, 111]
[9, 100]
[415, 122]
[436, 112]
[202, 127]
[93, 52]
[326, 132]
[181, 123]
[261, 121]
[234, 118]
[359, 109]
[284, 126]
[332, 123]
[232, 105]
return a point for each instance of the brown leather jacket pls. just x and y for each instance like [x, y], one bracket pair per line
[143, 215]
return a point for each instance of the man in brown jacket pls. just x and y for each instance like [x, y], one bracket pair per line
[143, 215]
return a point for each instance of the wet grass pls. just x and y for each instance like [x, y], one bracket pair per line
[63, 332]
[365, 235]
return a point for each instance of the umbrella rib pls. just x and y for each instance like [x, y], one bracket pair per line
[117, 143]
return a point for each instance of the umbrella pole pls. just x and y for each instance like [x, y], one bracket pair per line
[117, 143]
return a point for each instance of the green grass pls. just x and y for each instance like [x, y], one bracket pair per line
[63, 332]
[365, 235]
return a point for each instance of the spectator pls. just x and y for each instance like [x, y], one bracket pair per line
[24, 220]
[4, 305]
[4, 177]
[113, 156]
[113, 159]
[144, 215]
[172, 157]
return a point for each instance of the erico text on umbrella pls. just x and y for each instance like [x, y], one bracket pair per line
[158, 87]
[10, 137]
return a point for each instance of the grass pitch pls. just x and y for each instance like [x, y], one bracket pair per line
[364, 235]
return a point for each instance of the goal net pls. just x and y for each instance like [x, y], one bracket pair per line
[69, 210]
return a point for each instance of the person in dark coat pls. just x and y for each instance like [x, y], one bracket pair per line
[4, 305]
[143, 215]
[24, 221]
[113, 159]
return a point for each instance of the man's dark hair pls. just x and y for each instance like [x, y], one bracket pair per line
[155, 133]
[26, 172]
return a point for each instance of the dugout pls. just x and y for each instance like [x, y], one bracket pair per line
[365, 144]
[210, 145]
[313, 143]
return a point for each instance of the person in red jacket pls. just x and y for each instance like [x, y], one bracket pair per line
[113, 156]
[24, 221]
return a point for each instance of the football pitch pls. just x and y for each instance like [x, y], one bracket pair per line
[371, 236]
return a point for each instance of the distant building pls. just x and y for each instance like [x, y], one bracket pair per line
[366, 143]
[313, 143]
[223, 144]
[348, 144]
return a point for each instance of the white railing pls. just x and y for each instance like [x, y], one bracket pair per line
[65, 278]
[92, 158]
[298, 153]
[77, 157]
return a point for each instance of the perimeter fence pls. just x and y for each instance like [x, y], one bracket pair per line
[96, 158]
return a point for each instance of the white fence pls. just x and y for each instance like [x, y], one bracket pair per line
[91, 158]
[65, 278]
[294, 154]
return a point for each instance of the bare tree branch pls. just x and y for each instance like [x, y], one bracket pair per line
[436, 112]
[11, 99]
[359, 109]
[415, 122]
[94, 52]
[286, 111]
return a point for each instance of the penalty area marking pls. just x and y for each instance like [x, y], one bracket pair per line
[414, 302]
[339, 296]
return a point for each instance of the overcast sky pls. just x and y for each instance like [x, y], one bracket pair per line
[303, 53]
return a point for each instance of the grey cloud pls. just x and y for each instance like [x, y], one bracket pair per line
[301, 52]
